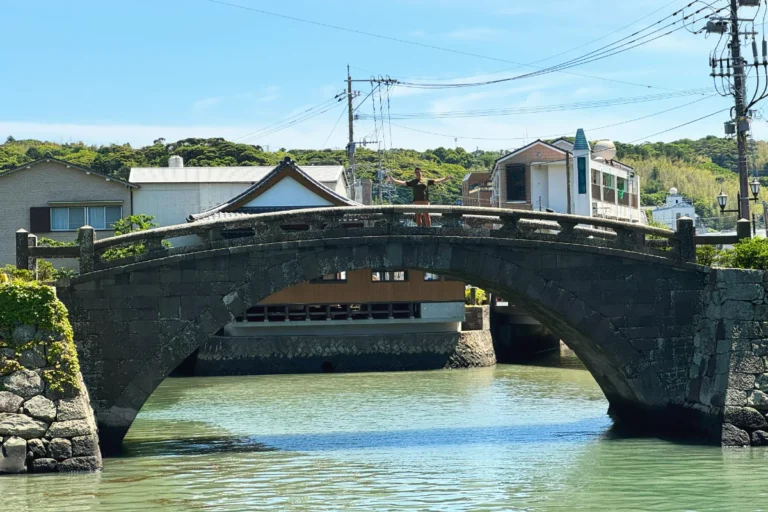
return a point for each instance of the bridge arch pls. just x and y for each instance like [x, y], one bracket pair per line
[628, 316]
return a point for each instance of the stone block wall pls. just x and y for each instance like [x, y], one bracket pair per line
[46, 420]
[476, 318]
[230, 355]
[735, 334]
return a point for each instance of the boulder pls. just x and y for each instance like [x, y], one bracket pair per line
[44, 466]
[22, 426]
[24, 383]
[762, 382]
[745, 417]
[10, 402]
[758, 400]
[69, 429]
[13, 456]
[7, 353]
[81, 464]
[60, 449]
[40, 408]
[733, 436]
[23, 334]
[32, 359]
[36, 448]
[73, 409]
[85, 445]
[759, 438]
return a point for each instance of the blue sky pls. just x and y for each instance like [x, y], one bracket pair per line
[133, 71]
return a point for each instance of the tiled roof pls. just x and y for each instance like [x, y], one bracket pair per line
[581, 144]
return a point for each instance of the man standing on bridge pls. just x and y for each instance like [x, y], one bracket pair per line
[420, 194]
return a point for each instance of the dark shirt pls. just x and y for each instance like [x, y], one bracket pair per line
[420, 189]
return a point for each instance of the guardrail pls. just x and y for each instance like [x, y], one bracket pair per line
[345, 222]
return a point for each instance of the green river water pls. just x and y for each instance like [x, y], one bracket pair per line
[505, 438]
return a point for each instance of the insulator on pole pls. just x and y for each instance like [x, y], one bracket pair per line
[765, 48]
[754, 49]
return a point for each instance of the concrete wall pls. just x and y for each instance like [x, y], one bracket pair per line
[45, 182]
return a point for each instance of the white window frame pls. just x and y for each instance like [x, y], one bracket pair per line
[85, 215]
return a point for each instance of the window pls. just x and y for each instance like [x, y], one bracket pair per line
[74, 217]
[338, 277]
[429, 276]
[582, 168]
[389, 277]
[608, 180]
[516, 182]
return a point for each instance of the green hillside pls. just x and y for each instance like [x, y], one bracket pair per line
[693, 166]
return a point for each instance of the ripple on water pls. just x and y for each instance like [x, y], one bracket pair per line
[509, 438]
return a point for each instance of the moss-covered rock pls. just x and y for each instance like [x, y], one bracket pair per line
[34, 329]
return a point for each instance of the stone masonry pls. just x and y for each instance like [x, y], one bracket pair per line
[42, 430]
[655, 333]
[255, 355]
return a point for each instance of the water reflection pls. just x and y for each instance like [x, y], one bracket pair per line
[509, 438]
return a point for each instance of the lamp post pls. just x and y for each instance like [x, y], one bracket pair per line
[722, 200]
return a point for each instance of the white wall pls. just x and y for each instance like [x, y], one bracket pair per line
[668, 216]
[558, 188]
[540, 186]
[288, 192]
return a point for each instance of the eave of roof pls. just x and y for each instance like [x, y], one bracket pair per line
[265, 183]
[29, 165]
[524, 148]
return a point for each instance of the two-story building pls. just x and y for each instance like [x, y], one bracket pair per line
[53, 199]
[674, 207]
[476, 189]
[567, 177]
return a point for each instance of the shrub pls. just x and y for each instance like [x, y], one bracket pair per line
[480, 296]
[748, 253]
[34, 304]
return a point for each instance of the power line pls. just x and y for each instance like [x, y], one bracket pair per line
[415, 43]
[334, 127]
[256, 133]
[291, 123]
[595, 55]
[547, 108]
[551, 136]
[505, 70]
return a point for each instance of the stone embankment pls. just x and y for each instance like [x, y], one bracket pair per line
[46, 421]
[258, 355]
[738, 307]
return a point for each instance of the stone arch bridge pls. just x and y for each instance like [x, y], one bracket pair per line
[673, 345]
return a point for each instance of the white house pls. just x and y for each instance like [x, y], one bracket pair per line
[171, 194]
[568, 177]
[676, 206]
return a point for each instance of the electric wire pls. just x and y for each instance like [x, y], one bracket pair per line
[546, 108]
[334, 128]
[413, 43]
[289, 118]
[544, 137]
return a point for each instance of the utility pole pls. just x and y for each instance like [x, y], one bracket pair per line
[351, 144]
[732, 82]
[742, 125]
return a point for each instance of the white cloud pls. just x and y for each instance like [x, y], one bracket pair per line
[206, 104]
[473, 34]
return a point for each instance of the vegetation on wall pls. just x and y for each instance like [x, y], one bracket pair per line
[33, 306]
[693, 166]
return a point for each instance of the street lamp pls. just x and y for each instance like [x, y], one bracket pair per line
[722, 200]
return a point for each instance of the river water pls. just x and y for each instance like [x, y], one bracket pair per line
[506, 438]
